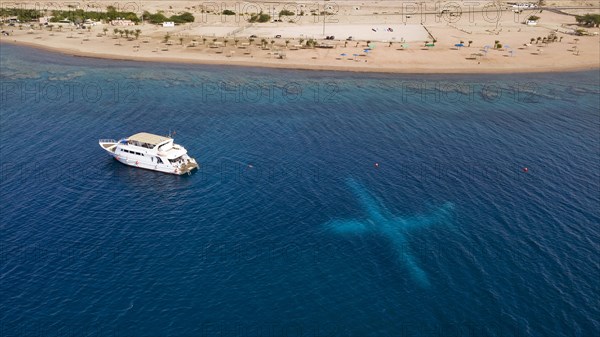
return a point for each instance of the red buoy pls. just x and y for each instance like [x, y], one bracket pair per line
[525, 169]
[376, 165]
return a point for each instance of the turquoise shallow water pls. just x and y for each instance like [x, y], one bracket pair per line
[289, 228]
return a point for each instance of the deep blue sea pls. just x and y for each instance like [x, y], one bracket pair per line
[327, 203]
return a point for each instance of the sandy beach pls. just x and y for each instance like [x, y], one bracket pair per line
[383, 39]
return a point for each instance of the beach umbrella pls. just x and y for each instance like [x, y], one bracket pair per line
[459, 45]
[343, 54]
[372, 45]
[405, 45]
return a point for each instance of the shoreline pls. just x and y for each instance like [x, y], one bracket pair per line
[304, 66]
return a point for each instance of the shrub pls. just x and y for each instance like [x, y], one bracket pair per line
[588, 19]
[286, 12]
[260, 17]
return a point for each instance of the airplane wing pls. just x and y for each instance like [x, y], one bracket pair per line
[367, 201]
[440, 215]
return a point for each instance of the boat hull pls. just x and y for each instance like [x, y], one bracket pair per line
[183, 167]
[157, 168]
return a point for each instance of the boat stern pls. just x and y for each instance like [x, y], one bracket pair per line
[187, 167]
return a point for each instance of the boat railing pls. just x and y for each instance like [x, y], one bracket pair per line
[107, 141]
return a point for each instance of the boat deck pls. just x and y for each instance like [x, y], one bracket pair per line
[108, 146]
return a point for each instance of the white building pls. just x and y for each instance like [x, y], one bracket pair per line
[168, 24]
[122, 23]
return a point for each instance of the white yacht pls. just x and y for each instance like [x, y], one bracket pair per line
[152, 152]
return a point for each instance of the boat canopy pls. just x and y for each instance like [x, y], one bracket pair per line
[148, 138]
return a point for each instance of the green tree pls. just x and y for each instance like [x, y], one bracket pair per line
[105, 30]
[260, 17]
[588, 19]
[167, 38]
[186, 17]
[286, 12]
